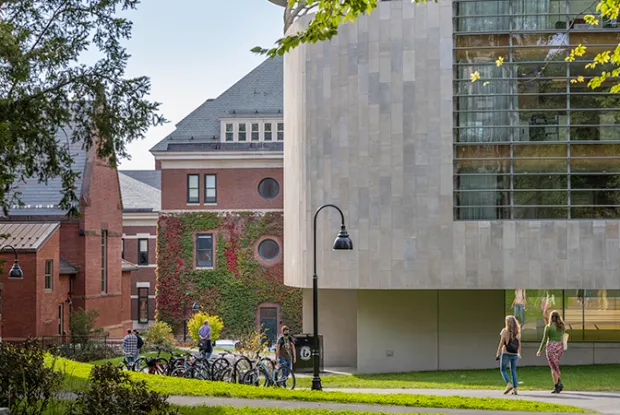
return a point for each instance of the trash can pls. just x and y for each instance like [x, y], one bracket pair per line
[303, 346]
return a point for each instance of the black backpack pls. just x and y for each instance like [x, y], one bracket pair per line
[140, 342]
[512, 346]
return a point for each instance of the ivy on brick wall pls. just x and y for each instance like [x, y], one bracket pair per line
[237, 285]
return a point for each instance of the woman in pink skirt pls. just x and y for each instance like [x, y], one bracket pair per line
[554, 340]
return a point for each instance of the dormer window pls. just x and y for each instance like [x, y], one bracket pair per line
[242, 132]
[268, 132]
[230, 132]
[280, 131]
[255, 132]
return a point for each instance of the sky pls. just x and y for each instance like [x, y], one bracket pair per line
[194, 50]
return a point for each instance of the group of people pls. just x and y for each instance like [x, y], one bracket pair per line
[132, 344]
[509, 350]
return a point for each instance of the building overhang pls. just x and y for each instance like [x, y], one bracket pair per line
[140, 218]
[220, 159]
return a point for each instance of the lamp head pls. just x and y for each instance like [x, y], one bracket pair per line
[343, 241]
[16, 271]
[195, 306]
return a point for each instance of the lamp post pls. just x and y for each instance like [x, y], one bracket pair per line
[342, 242]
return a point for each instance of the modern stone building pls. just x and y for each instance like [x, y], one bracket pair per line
[455, 192]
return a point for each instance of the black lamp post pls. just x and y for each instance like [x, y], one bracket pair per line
[342, 242]
[16, 271]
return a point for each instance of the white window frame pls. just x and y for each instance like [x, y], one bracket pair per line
[49, 275]
[250, 132]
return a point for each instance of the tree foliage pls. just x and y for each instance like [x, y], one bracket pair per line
[45, 85]
[197, 321]
[330, 14]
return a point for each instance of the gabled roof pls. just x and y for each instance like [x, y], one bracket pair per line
[67, 268]
[43, 198]
[150, 177]
[138, 196]
[258, 94]
[27, 237]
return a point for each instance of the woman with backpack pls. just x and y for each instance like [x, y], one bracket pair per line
[509, 352]
[554, 339]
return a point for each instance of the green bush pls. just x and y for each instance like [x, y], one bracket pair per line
[82, 325]
[27, 384]
[159, 334]
[87, 352]
[110, 391]
[197, 321]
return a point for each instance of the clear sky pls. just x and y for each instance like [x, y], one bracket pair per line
[193, 50]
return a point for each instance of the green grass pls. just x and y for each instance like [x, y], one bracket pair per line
[229, 410]
[76, 375]
[581, 378]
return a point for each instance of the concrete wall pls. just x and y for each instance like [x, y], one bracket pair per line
[382, 331]
[369, 127]
[337, 324]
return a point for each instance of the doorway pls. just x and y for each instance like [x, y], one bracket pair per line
[268, 321]
[60, 318]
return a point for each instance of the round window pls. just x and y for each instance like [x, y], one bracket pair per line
[268, 188]
[268, 249]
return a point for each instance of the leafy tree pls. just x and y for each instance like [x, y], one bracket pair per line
[197, 321]
[159, 334]
[330, 14]
[45, 85]
[82, 324]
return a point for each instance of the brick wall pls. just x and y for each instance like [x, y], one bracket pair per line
[49, 300]
[19, 307]
[144, 274]
[131, 250]
[102, 210]
[236, 189]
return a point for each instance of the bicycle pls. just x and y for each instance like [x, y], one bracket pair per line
[262, 375]
[135, 366]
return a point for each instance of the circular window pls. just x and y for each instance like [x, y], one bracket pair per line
[268, 249]
[268, 188]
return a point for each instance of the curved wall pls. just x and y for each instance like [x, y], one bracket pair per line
[369, 127]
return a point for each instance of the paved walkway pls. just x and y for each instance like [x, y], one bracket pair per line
[601, 402]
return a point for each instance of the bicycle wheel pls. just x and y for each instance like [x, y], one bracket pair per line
[201, 370]
[139, 364]
[242, 365]
[285, 379]
[218, 367]
[268, 363]
[256, 377]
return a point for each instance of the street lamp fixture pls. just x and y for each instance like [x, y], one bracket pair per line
[195, 307]
[342, 242]
[16, 271]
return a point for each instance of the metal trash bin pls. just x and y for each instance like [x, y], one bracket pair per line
[303, 346]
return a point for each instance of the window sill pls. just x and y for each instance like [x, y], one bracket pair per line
[193, 204]
[49, 290]
[204, 268]
[210, 204]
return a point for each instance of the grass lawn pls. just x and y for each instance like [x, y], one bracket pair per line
[76, 375]
[581, 378]
[229, 410]
[117, 360]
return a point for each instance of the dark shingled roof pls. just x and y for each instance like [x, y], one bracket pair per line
[67, 268]
[43, 198]
[139, 196]
[258, 94]
[28, 237]
[150, 177]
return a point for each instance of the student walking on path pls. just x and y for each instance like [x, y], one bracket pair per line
[509, 352]
[554, 339]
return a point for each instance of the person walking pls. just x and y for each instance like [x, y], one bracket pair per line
[553, 339]
[204, 344]
[519, 304]
[140, 343]
[509, 352]
[285, 352]
[130, 347]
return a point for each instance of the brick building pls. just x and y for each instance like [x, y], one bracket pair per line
[220, 238]
[141, 205]
[75, 262]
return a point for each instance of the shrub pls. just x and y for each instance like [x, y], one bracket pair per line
[110, 391]
[197, 321]
[159, 334]
[27, 384]
[251, 343]
[87, 352]
[81, 324]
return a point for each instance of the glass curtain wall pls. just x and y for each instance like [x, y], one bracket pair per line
[590, 315]
[529, 144]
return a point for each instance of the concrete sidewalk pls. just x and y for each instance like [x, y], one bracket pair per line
[389, 409]
[602, 402]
